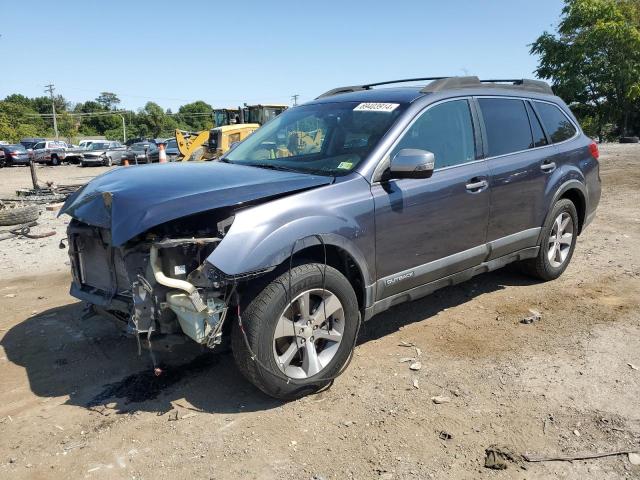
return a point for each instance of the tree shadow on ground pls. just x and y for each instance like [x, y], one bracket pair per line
[94, 363]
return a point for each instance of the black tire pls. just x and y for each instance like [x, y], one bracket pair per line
[55, 161]
[108, 162]
[19, 215]
[82, 164]
[261, 317]
[540, 267]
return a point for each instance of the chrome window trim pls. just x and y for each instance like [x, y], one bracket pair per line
[382, 164]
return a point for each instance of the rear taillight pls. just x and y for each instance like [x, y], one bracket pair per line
[593, 148]
[13, 154]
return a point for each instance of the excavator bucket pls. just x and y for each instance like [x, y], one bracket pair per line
[189, 143]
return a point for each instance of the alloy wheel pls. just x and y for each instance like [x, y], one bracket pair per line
[560, 239]
[308, 333]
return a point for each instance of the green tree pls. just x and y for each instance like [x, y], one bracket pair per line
[155, 122]
[195, 116]
[18, 121]
[108, 100]
[43, 104]
[594, 58]
[68, 126]
[96, 124]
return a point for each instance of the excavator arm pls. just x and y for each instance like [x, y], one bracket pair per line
[190, 142]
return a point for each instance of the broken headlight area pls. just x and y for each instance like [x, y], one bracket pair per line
[152, 284]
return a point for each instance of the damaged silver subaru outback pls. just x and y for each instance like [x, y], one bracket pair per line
[330, 213]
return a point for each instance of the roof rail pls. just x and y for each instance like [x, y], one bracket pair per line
[451, 82]
[524, 83]
[468, 82]
[368, 86]
[439, 84]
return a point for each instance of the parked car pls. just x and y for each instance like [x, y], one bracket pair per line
[333, 212]
[171, 148]
[14, 154]
[142, 152]
[73, 153]
[103, 153]
[51, 152]
[31, 142]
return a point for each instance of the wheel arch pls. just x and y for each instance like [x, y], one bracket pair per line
[575, 191]
[338, 258]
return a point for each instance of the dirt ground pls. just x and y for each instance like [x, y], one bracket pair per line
[77, 402]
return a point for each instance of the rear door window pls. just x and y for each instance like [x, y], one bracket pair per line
[539, 138]
[557, 124]
[446, 130]
[507, 125]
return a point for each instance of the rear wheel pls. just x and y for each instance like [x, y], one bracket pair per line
[54, 160]
[299, 345]
[558, 242]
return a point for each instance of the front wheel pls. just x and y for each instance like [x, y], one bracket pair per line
[54, 160]
[557, 244]
[108, 162]
[302, 344]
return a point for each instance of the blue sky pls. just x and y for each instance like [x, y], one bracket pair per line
[257, 51]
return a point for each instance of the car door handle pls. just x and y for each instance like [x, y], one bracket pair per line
[476, 186]
[548, 166]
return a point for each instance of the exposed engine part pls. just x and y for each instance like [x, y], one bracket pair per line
[198, 324]
[162, 279]
[144, 311]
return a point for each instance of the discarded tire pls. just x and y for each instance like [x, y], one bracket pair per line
[19, 214]
[629, 139]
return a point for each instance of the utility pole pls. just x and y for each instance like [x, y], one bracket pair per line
[295, 99]
[49, 88]
[124, 129]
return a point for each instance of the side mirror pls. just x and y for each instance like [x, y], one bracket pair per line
[412, 163]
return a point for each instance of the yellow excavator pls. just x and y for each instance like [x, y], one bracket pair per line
[230, 128]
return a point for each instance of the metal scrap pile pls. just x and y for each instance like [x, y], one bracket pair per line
[51, 193]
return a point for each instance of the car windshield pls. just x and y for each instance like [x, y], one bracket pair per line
[326, 138]
[172, 144]
[16, 148]
[98, 146]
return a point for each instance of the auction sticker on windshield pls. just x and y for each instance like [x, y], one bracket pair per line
[376, 107]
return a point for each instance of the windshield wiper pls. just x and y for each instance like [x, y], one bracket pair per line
[269, 166]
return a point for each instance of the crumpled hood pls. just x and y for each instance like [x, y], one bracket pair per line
[130, 200]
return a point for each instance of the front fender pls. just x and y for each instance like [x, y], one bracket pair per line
[263, 237]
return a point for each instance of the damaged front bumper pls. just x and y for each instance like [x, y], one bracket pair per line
[152, 286]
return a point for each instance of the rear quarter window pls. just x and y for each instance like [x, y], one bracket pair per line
[506, 124]
[555, 122]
